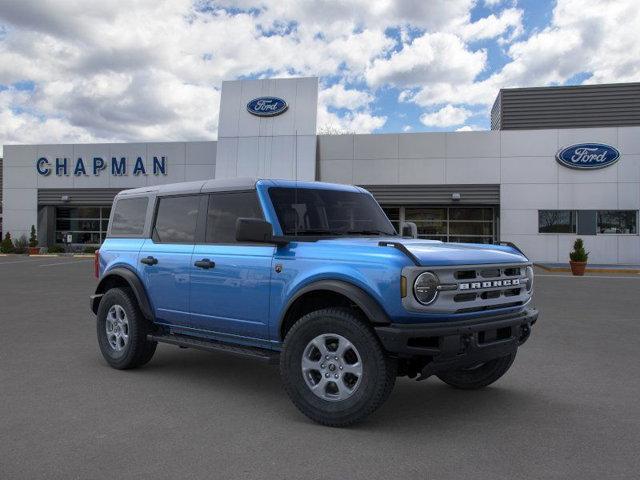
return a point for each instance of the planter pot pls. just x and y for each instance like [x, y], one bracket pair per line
[578, 268]
[34, 250]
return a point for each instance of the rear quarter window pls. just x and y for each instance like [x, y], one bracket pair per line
[176, 219]
[129, 216]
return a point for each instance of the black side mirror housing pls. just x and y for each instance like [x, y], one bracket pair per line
[255, 230]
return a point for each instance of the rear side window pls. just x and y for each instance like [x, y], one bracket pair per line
[176, 219]
[128, 216]
[224, 210]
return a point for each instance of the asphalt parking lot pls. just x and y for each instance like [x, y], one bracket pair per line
[569, 407]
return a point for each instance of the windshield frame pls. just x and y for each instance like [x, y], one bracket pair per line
[384, 227]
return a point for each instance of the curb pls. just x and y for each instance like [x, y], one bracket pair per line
[591, 269]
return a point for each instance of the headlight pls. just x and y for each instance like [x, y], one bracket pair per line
[425, 288]
[529, 274]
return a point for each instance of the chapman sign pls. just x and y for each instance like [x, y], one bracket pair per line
[96, 165]
[588, 156]
[267, 106]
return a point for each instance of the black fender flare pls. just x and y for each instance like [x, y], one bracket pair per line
[369, 306]
[133, 281]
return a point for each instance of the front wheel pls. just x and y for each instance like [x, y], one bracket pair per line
[478, 376]
[334, 368]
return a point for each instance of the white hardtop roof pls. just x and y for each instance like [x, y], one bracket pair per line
[199, 186]
[227, 185]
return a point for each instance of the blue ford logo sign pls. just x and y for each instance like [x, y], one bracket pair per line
[588, 156]
[267, 106]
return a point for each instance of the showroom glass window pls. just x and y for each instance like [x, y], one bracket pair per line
[86, 225]
[176, 219]
[453, 224]
[556, 221]
[618, 222]
[224, 209]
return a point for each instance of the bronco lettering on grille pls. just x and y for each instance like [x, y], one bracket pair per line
[491, 284]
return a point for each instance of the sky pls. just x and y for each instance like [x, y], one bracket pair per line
[77, 71]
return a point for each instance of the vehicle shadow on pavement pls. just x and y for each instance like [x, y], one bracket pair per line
[412, 405]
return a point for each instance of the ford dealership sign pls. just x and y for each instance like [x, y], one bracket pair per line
[267, 106]
[588, 156]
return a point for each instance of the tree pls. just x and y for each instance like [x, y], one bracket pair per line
[33, 238]
[332, 129]
[7, 244]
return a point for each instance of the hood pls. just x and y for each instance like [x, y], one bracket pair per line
[436, 253]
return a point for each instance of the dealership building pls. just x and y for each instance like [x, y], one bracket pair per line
[559, 163]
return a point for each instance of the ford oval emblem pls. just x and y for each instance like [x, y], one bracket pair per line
[267, 106]
[588, 156]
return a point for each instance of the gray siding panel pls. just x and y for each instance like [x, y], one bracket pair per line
[77, 196]
[435, 194]
[567, 107]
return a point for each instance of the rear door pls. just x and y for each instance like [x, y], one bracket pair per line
[166, 257]
[230, 282]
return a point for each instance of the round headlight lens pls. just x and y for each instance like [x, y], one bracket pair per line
[425, 288]
[529, 275]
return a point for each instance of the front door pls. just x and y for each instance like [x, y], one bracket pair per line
[166, 258]
[230, 282]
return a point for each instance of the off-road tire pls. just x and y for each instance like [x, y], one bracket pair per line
[138, 350]
[379, 371]
[480, 377]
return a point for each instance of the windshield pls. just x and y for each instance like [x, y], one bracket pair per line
[307, 211]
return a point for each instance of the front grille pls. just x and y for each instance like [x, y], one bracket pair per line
[471, 288]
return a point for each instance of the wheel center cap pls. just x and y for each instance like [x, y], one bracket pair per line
[332, 367]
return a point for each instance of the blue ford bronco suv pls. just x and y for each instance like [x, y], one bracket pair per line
[313, 276]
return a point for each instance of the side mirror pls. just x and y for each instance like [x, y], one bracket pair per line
[254, 230]
[409, 229]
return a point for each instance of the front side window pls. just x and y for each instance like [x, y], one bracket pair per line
[556, 221]
[618, 221]
[224, 209]
[176, 219]
[307, 211]
[129, 216]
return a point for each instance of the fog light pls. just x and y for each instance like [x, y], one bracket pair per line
[425, 288]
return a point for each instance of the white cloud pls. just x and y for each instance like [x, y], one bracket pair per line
[469, 128]
[432, 57]
[584, 37]
[351, 122]
[447, 116]
[152, 70]
[407, 128]
[338, 96]
[509, 20]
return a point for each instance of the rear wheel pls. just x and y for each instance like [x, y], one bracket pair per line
[334, 368]
[478, 376]
[122, 331]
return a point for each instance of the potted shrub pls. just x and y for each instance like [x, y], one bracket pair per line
[578, 258]
[7, 244]
[33, 242]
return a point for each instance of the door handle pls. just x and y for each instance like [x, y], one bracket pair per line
[205, 263]
[149, 260]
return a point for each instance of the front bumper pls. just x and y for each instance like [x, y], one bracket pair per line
[451, 345]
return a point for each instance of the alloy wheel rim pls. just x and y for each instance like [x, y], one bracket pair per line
[332, 367]
[117, 328]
